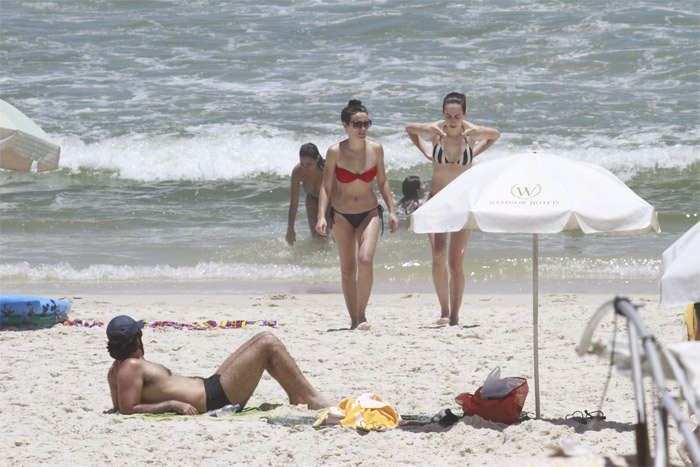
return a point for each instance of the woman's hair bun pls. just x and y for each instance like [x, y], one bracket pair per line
[354, 106]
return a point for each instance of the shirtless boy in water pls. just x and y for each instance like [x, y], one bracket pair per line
[140, 386]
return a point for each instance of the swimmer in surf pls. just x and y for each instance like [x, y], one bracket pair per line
[309, 174]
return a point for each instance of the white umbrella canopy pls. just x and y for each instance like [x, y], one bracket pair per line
[680, 270]
[22, 142]
[536, 192]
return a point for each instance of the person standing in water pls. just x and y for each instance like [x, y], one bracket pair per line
[309, 174]
[356, 217]
[413, 190]
[454, 148]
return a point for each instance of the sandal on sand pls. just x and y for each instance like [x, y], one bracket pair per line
[577, 416]
[445, 418]
[596, 415]
[583, 417]
[365, 326]
[443, 321]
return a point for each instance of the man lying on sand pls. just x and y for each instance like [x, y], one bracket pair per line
[140, 386]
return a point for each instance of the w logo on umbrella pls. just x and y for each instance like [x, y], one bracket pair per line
[525, 192]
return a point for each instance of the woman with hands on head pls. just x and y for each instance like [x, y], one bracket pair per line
[454, 147]
[309, 173]
[356, 217]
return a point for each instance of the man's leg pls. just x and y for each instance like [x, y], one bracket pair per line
[241, 373]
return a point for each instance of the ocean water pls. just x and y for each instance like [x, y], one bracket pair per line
[180, 122]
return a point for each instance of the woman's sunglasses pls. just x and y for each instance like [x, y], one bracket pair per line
[365, 124]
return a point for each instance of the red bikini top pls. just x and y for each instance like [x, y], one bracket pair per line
[345, 176]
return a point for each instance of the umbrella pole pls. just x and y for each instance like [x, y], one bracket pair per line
[535, 319]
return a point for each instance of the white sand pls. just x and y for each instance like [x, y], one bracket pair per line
[53, 386]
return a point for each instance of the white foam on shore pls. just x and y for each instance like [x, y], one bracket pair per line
[415, 272]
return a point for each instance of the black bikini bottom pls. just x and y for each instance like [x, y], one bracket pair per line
[356, 219]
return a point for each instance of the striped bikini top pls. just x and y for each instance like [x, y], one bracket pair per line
[440, 158]
[345, 176]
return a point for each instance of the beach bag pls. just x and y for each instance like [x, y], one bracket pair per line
[368, 412]
[498, 400]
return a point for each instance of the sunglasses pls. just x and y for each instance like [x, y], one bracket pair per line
[365, 124]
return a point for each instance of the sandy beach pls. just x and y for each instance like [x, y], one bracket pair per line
[54, 391]
[179, 131]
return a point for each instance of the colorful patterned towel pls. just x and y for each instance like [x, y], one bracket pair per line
[196, 326]
[85, 323]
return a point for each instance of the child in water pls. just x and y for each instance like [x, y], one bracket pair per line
[413, 191]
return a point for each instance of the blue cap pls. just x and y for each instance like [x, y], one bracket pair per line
[122, 328]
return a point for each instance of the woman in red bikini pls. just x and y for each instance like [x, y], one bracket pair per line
[454, 147]
[356, 217]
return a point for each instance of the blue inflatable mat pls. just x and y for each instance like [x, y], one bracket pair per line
[18, 310]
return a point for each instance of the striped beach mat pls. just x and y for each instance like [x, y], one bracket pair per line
[195, 326]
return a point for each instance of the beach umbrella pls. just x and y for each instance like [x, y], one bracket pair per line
[22, 142]
[534, 193]
[680, 270]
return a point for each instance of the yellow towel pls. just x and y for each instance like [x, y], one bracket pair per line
[368, 412]
[691, 323]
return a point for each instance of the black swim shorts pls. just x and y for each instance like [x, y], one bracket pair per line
[216, 397]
